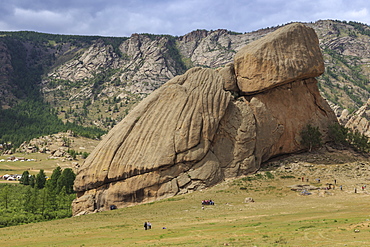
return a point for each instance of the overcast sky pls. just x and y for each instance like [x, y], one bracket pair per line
[175, 17]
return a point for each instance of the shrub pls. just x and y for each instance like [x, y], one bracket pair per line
[269, 175]
[338, 134]
[341, 135]
[359, 141]
[311, 137]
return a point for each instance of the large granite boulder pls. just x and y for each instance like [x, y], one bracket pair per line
[282, 113]
[168, 135]
[290, 53]
[192, 133]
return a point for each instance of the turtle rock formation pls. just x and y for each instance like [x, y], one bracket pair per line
[192, 133]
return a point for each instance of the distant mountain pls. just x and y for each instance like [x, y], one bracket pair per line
[95, 81]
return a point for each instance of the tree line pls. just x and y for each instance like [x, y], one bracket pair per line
[339, 136]
[30, 119]
[37, 198]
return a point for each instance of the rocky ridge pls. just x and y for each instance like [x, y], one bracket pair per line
[360, 120]
[58, 146]
[100, 79]
[191, 133]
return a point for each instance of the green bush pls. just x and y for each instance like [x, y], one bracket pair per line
[341, 135]
[338, 134]
[269, 175]
[311, 137]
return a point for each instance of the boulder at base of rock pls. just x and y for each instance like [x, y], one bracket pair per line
[248, 200]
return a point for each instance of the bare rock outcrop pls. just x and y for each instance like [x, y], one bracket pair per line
[97, 56]
[360, 120]
[291, 53]
[168, 135]
[191, 133]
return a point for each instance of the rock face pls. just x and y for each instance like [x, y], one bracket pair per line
[71, 72]
[191, 133]
[360, 121]
[292, 53]
[161, 144]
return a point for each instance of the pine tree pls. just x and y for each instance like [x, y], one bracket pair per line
[25, 179]
[32, 181]
[66, 180]
[51, 197]
[40, 179]
[4, 196]
[57, 172]
[311, 137]
[31, 200]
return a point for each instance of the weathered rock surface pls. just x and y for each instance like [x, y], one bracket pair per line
[96, 56]
[283, 112]
[191, 134]
[360, 120]
[81, 69]
[288, 54]
[168, 135]
[57, 145]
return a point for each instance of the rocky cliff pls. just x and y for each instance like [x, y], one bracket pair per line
[192, 133]
[96, 81]
[360, 120]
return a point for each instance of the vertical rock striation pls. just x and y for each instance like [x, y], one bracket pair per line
[164, 141]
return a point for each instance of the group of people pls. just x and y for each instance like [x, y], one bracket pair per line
[208, 202]
[147, 225]
[332, 186]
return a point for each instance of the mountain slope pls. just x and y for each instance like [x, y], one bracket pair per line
[95, 81]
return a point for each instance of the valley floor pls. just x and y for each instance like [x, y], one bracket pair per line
[278, 217]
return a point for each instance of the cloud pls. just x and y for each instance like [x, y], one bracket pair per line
[175, 17]
[361, 14]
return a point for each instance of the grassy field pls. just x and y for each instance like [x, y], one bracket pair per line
[41, 161]
[278, 217]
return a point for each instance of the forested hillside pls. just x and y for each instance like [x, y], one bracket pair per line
[50, 83]
[37, 198]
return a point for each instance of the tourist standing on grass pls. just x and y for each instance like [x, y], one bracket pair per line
[146, 225]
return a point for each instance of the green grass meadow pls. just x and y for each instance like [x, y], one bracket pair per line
[278, 217]
[41, 161]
